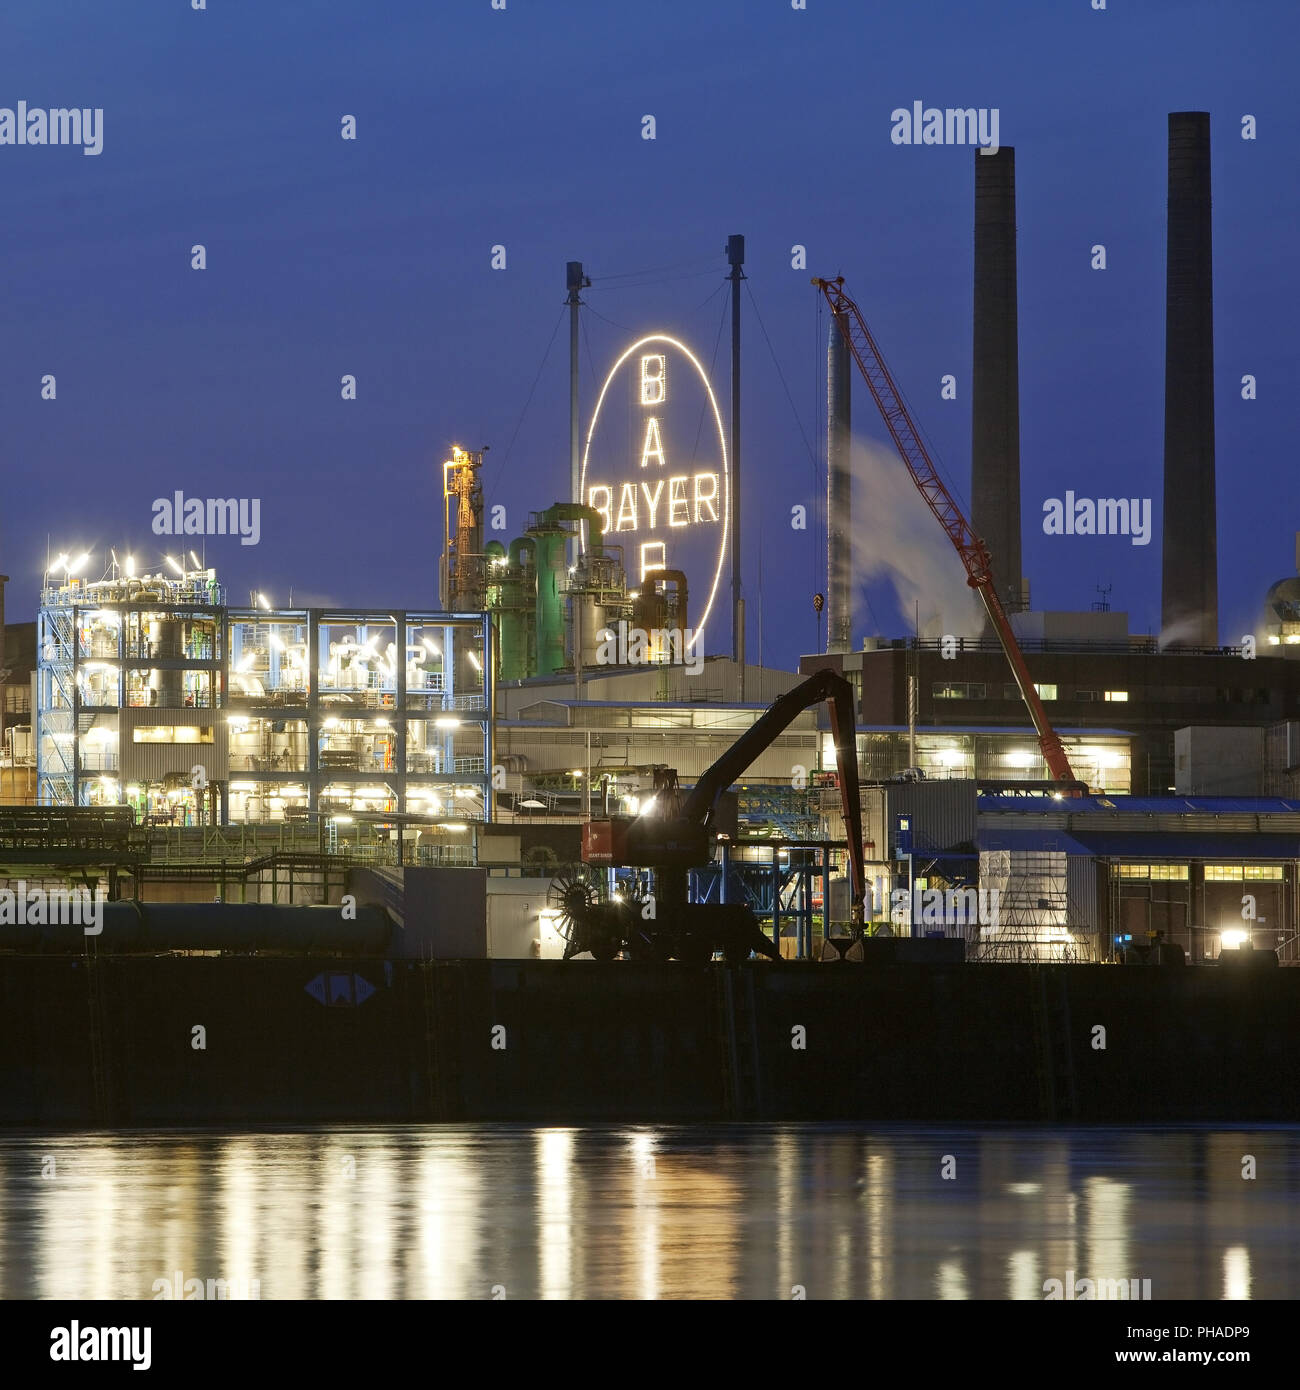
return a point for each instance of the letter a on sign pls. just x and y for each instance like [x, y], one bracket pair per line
[653, 447]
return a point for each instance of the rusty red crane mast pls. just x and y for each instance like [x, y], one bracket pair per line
[974, 554]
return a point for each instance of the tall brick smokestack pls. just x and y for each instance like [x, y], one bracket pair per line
[839, 495]
[995, 386]
[1189, 591]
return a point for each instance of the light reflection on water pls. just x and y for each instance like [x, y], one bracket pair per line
[650, 1212]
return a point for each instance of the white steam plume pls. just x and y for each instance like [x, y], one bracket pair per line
[897, 537]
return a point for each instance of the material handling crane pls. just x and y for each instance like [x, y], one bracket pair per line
[974, 554]
[678, 833]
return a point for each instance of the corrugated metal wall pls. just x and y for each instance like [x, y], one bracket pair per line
[943, 812]
[1083, 901]
[151, 762]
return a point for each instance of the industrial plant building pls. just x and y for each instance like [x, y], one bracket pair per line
[1089, 879]
[153, 693]
[563, 672]
[1103, 694]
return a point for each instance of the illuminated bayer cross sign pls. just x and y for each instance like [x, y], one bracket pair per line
[657, 471]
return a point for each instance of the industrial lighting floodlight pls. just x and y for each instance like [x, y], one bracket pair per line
[1232, 938]
[261, 598]
[174, 563]
[198, 564]
[79, 563]
[447, 721]
[130, 566]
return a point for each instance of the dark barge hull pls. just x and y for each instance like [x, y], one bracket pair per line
[110, 1040]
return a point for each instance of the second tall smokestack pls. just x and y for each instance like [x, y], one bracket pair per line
[995, 383]
[1189, 591]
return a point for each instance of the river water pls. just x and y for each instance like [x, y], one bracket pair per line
[646, 1212]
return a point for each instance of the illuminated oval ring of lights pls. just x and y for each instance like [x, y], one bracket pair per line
[722, 441]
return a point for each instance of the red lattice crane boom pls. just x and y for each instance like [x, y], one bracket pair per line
[974, 554]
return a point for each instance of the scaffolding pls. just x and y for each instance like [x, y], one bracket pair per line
[107, 646]
[1031, 912]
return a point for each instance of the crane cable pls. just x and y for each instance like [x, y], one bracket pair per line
[711, 262]
[812, 458]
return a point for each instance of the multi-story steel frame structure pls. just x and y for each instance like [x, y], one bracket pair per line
[155, 694]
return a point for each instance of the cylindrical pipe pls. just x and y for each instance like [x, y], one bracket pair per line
[576, 511]
[575, 282]
[995, 379]
[517, 548]
[1189, 604]
[678, 578]
[736, 258]
[839, 494]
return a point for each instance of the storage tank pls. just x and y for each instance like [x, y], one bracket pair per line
[591, 626]
[165, 644]
[103, 640]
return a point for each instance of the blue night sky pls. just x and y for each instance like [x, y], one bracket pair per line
[523, 128]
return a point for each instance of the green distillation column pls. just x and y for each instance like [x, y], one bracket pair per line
[514, 604]
[552, 540]
[494, 563]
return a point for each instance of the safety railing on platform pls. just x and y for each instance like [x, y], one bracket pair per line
[211, 843]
